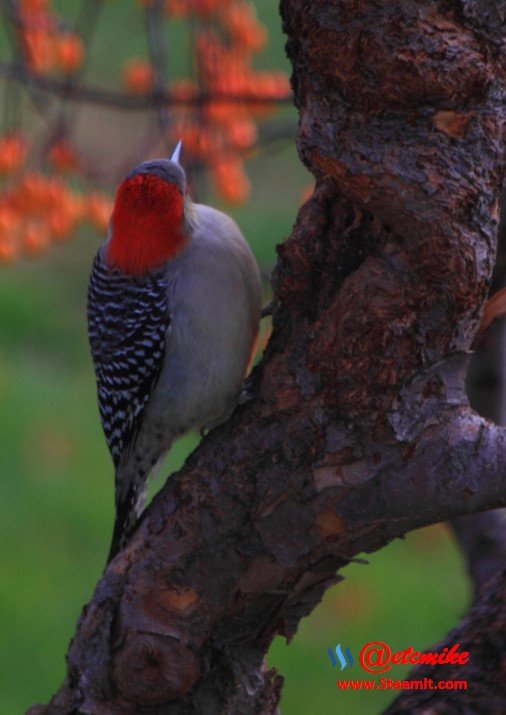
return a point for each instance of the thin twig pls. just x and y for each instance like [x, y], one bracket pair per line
[158, 54]
[120, 100]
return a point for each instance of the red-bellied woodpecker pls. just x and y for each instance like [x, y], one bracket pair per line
[174, 305]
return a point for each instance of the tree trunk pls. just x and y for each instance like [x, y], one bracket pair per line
[359, 429]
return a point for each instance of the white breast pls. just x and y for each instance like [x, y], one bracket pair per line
[214, 296]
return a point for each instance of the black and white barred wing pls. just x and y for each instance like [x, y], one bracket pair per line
[128, 325]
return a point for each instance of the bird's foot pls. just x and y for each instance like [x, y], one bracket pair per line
[244, 396]
[208, 426]
[270, 308]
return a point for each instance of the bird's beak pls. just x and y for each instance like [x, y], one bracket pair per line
[176, 153]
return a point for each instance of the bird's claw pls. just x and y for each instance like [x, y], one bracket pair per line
[244, 396]
[208, 426]
[270, 308]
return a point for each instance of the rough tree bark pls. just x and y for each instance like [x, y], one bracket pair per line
[482, 537]
[360, 429]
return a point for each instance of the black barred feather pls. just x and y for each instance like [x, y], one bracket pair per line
[128, 325]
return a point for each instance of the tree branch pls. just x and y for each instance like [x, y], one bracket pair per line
[482, 634]
[483, 540]
[121, 100]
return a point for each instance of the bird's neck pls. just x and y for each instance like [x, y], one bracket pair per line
[148, 226]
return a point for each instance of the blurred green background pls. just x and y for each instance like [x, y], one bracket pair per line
[56, 505]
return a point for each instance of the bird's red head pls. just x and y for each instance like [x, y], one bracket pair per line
[147, 223]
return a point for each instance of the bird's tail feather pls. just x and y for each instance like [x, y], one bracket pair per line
[129, 506]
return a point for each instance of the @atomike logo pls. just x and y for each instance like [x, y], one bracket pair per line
[377, 657]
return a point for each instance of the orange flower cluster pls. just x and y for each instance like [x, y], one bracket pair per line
[39, 209]
[36, 209]
[62, 157]
[218, 125]
[45, 46]
[138, 75]
[215, 114]
[225, 129]
[12, 152]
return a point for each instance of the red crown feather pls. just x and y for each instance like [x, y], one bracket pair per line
[146, 224]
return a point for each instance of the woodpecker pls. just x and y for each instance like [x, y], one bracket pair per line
[174, 302]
